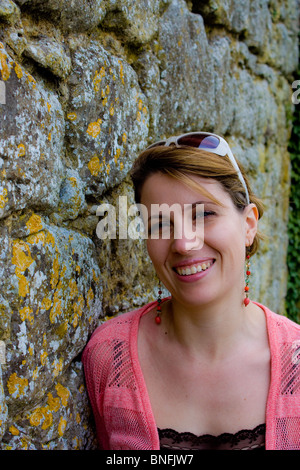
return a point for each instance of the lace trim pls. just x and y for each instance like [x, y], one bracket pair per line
[170, 438]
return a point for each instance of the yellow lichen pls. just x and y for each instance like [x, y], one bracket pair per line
[14, 431]
[94, 128]
[73, 288]
[73, 181]
[63, 394]
[21, 256]
[34, 224]
[31, 80]
[44, 356]
[46, 303]
[21, 150]
[62, 426]
[22, 260]
[72, 116]
[3, 198]
[17, 385]
[117, 156]
[54, 403]
[41, 415]
[55, 273]
[26, 313]
[94, 166]
[121, 71]
[78, 306]
[90, 297]
[23, 285]
[56, 309]
[5, 70]
[18, 71]
[97, 78]
[50, 239]
[35, 373]
[57, 367]
[140, 104]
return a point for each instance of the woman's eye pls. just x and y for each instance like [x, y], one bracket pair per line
[204, 214]
[160, 228]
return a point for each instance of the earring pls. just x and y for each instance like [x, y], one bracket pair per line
[248, 273]
[158, 308]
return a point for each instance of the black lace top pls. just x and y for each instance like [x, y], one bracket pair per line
[253, 439]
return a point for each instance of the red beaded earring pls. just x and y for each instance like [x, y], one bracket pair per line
[158, 308]
[248, 273]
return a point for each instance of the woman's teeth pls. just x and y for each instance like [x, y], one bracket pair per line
[193, 269]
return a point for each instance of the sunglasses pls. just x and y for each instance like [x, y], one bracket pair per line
[205, 141]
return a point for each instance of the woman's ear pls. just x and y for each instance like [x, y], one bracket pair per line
[251, 221]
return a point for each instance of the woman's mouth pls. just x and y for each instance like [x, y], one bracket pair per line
[195, 268]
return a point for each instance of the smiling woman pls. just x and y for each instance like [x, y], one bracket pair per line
[216, 371]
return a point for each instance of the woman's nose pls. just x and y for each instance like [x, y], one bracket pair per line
[189, 239]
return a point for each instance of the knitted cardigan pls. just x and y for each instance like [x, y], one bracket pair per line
[119, 398]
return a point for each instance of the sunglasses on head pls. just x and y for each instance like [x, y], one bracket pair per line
[205, 141]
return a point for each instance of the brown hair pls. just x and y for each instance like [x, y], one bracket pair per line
[183, 162]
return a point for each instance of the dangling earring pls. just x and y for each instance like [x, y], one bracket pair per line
[158, 308]
[248, 273]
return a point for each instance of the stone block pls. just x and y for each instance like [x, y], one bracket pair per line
[186, 87]
[31, 141]
[54, 289]
[107, 117]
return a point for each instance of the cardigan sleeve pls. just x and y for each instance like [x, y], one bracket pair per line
[96, 358]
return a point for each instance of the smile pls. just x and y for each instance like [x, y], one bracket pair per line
[194, 268]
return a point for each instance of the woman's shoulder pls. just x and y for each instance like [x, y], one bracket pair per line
[119, 326]
[113, 337]
[280, 323]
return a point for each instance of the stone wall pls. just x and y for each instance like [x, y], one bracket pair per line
[85, 85]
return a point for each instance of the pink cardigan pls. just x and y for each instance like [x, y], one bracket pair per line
[119, 398]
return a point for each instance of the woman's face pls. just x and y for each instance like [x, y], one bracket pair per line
[209, 265]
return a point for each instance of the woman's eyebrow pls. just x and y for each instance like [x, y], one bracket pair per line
[160, 214]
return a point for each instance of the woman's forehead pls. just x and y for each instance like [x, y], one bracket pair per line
[160, 187]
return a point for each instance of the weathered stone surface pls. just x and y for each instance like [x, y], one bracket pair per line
[3, 406]
[31, 141]
[9, 11]
[77, 15]
[130, 280]
[49, 54]
[53, 285]
[88, 84]
[186, 85]
[136, 21]
[107, 116]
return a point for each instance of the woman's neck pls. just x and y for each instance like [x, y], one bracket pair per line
[213, 331]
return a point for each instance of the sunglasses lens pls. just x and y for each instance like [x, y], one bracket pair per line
[199, 141]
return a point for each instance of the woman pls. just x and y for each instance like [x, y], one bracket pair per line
[205, 368]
